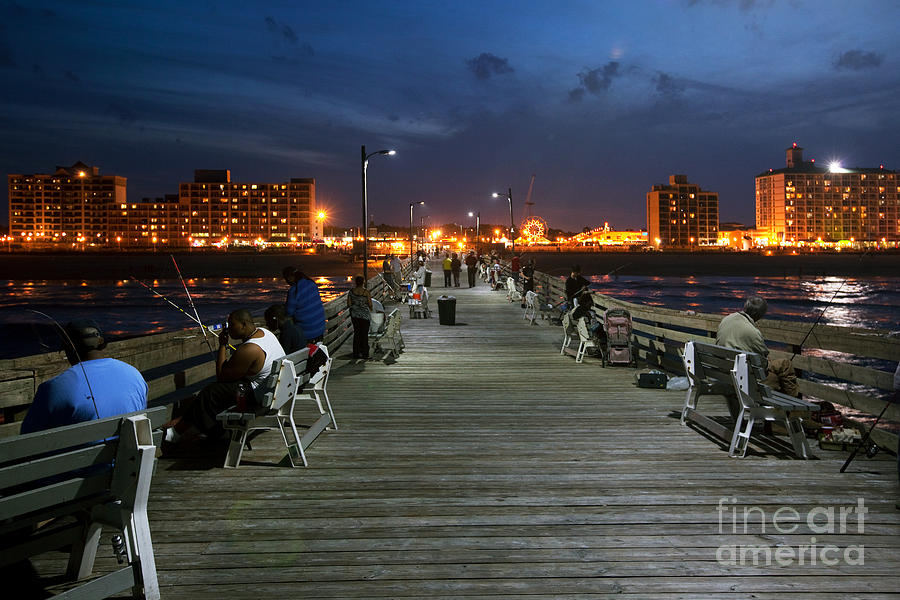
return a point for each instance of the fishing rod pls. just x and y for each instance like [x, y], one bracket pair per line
[865, 439]
[191, 303]
[74, 348]
[175, 306]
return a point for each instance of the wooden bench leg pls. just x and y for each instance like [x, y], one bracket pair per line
[690, 402]
[741, 438]
[84, 552]
[295, 449]
[235, 448]
[798, 437]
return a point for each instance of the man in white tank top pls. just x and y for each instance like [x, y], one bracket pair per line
[250, 363]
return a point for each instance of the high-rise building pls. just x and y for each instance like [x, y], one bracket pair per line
[213, 208]
[805, 202]
[73, 205]
[682, 215]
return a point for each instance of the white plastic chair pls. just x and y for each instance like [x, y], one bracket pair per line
[531, 306]
[512, 294]
[584, 340]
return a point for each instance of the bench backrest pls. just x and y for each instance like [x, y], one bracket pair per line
[567, 323]
[709, 364]
[581, 327]
[76, 465]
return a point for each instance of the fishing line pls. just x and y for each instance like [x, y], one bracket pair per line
[175, 306]
[191, 302]
[75, 351]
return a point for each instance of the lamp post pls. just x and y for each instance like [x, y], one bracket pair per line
[365, 204]
[477, 227]
[411, 204]
[512, 228]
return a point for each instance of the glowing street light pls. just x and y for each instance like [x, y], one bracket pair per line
[411, 205]
[365, 204]
[512, 227]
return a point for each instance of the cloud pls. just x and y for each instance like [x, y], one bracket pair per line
[6, 55]
[486, 65]
[71, 76]
[597, 81]
[576, 94]
[856, 60]
[282, 29]
[668, 86]
[121, 113]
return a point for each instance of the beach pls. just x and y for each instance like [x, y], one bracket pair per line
[102, 266]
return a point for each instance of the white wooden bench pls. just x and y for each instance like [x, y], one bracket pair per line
[60, 487]
[708, 365]
[389, 337]
[277, 399]
[512, 293]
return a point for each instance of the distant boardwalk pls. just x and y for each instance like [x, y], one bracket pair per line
[482, 463]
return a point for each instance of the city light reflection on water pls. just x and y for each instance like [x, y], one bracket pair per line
[124, 308]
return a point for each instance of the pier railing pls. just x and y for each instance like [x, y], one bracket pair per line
[825, 363]
[179, 360]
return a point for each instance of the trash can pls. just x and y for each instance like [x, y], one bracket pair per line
[427, 278]
[447, 310]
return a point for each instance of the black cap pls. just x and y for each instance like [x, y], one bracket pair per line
[85, 334]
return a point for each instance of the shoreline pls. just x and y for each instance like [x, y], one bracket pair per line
[95, 267]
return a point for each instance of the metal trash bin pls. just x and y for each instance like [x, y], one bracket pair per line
[447, 310]
[427, 278]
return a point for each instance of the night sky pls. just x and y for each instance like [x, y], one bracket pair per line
[599, 99]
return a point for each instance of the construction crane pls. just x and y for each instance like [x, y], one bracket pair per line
[528, 202]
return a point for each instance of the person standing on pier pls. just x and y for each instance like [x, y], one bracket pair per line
[448, 269]
[304, 305]
[514, 266]
[471, 263]
[455, 267]
[359, 301]
[94, 387]
[739, 331]
[575, 285]
[528, 277]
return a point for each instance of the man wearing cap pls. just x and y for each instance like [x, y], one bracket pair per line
[94, 387]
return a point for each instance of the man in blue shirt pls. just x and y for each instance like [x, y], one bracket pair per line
[94, 387]
[305, 306]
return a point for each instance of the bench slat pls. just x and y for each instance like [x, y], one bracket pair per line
[34, 470]
[30, 444]
[55, 494]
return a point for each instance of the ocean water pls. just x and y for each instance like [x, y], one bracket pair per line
[124, 308]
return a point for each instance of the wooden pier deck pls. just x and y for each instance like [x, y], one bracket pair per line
[483, 464]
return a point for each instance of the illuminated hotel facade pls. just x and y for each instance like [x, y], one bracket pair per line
[213, 209]
[806, 203]
[77, 207]
[682, 215]
[72, 205]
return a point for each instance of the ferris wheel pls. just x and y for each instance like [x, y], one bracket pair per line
[534, 228]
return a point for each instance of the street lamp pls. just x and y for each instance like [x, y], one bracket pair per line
[411, 204]
[512, 228]
[365, 204]
[322, 214]
[477, 227]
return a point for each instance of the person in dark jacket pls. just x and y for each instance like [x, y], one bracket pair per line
[575, 285]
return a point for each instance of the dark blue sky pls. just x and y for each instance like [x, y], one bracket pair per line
[599, 99]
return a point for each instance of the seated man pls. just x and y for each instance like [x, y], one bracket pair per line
[94, 387]
[290, 336]
[738, 330]
[584, 311]
[248, 367]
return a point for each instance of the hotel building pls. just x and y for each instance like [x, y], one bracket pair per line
[806, 203]
[682, 215]
[73, 205]
[213, 209]
[77, 206]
